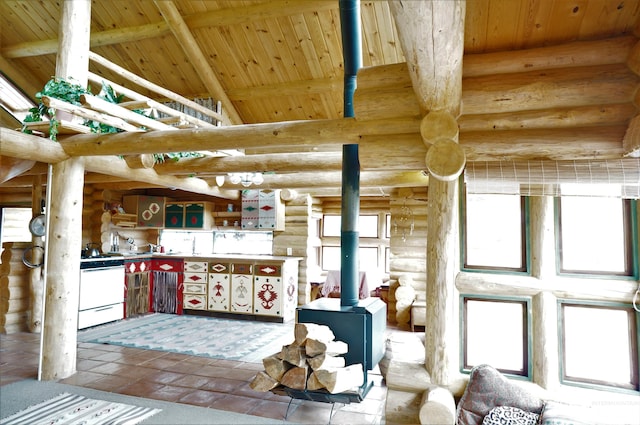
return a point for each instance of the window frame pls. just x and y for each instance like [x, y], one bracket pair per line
[525, 244]
[634, 356]
[527, 340]
[630, 221]
[380, 243]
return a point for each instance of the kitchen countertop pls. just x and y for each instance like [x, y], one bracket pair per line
[245, 257]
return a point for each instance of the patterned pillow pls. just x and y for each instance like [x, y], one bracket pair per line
[488, 388]
[507, 415]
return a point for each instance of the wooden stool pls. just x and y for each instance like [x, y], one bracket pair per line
[418, 314]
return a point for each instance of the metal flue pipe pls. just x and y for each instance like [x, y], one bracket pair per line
[351, 49]
[349, 235]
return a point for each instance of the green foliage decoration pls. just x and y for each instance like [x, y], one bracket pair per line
[69, 92]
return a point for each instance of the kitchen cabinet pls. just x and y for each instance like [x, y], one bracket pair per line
[188, 215]
[174, 215]
[262, 209]
[219, 286]
[241, 287]
[149, 210]
[136, 287]
[195, 285]
[275, 288]
[167, 285]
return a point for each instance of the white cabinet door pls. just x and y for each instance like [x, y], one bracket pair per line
[241, 288]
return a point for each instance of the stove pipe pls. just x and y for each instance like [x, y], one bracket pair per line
[349, 235]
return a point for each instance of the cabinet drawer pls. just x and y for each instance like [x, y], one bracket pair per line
[195, 302]
[268, 270]
[195, 277]
[219, 267]
[196, 266]
[195, 288]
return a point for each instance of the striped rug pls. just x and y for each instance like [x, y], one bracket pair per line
[70, 409]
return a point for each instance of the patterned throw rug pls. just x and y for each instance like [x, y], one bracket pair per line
[241, 340]
[70, 409]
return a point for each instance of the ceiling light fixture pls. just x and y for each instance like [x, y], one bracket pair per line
[246, 179]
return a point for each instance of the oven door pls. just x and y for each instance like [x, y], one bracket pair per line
[101, 286]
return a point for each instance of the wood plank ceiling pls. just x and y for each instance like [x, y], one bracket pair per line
[280, 61]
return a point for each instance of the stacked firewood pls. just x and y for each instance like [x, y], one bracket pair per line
[312, 362]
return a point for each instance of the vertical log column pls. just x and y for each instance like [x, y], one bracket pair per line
[432, 38]
[545, 311]
[64, 237]
[36, 277]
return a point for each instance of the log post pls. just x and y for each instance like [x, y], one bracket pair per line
[64, 235]
[432, 38]
[36, 276]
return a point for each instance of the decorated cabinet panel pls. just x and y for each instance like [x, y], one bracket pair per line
[241, 288]
[136, 287]
[219, 286]
[167, 285]
[262, 209]
[149, 210]
[267, 287]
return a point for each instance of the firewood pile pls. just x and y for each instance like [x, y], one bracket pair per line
[313, 362]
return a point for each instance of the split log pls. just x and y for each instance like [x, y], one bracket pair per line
[294, 354]
[342, 379]
[305, 331]
[296, 377]
[314, 347]
[275, 367]
[325, 361]
[313, 384]
[263, 382]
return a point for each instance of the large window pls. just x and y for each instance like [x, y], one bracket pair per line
[496, 332]
[494, 232]
[599, 344]
[594, 236]
[372, 249]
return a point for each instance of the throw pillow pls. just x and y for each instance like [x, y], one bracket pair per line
[555, 413]
[507, 415]
[487, 389]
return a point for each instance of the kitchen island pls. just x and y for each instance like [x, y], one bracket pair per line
[253, 287]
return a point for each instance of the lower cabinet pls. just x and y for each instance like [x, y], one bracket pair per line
[230, 285]
[136, 286]
[195, 285]
[219, 286]
[241, 288]
[167, 285]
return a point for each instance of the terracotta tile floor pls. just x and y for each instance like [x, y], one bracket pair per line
[178, 378]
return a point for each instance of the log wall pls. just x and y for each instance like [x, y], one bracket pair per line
[408, 260]
[14, 289]
[302, 213]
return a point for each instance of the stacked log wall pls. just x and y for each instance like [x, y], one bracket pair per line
[15, 301]
[299, 235]
[408, 260]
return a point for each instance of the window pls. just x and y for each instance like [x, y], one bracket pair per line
[599, 344]
[13, 100]
[586, 248]
[14, 225]
[494, 232]
[496, 332]
[372, 249]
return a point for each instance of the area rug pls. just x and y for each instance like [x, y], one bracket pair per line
[72, 409]
[241, 340]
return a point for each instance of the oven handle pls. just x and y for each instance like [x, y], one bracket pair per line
[97, 269]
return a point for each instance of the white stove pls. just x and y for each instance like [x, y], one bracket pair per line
[101, 290]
